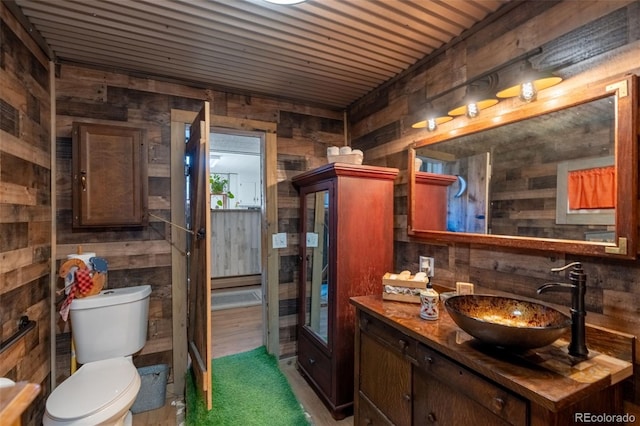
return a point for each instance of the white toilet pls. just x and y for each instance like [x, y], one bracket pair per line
[107, 329]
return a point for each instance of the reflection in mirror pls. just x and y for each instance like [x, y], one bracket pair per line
[523, 178]
[317, 270]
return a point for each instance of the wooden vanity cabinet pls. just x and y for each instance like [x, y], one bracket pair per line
[346, 246]
[400, 380]
[109, 176]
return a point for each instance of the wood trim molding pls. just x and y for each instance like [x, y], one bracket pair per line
[178, 245]
[270, 260]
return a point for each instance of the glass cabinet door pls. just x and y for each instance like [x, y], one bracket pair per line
[316, 264]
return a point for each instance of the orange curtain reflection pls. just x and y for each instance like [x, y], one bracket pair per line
[592, 188]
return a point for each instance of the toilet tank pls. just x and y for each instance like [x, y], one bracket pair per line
[110, 324]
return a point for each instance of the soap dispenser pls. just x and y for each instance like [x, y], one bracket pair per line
[429, 303]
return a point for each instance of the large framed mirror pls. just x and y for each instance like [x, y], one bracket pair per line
[559, 174]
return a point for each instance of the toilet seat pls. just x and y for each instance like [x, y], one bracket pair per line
[96, 386]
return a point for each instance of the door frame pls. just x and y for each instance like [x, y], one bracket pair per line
[199, 257]
[270, 259]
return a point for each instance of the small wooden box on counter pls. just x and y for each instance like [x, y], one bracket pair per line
[408, 290]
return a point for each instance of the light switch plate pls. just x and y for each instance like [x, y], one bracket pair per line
[312, 240]
[279, 240]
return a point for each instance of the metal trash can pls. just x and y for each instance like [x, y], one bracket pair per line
[153, 388]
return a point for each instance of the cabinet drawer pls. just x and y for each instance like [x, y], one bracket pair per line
[437, 403]
[388, 335]
[368, 414]
[315, 364]
[493, 397]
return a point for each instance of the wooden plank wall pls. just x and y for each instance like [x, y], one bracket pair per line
[25, 208]
[591, 43]
[235, 242]
[143, 256]
[134, 256]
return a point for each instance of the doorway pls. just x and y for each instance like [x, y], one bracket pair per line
[269, 257]
[236, 161]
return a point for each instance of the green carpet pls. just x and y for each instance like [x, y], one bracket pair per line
[248, 389]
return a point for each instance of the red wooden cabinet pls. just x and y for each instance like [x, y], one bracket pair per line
[431, 200]
[346, 246]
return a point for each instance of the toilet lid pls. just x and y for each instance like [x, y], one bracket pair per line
[93, 387]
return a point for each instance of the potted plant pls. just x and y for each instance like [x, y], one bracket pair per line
[219, 187]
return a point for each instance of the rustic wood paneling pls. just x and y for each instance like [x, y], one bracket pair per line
[140, 256]
[301, 146]
[25, 209]
[590, 44]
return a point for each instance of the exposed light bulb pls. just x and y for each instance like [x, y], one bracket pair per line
[432, 125]
[528, 92]
[472, 110]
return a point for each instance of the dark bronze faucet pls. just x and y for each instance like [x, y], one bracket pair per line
[578, 287]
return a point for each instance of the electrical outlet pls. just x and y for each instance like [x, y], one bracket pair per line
[427, 264]
[464, 288]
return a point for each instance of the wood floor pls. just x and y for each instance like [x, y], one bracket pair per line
[236, 330]
[313, 406]
[239, 330]
[172, 414]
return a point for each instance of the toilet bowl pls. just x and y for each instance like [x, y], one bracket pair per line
[108, 329]
[99, 393]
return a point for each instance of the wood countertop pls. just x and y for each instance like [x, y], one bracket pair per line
[548, 376]
[14, 400]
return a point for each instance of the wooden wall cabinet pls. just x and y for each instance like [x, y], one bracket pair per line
[346, 243]
[109, 176]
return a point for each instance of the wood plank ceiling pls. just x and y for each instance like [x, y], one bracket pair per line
[325, 52]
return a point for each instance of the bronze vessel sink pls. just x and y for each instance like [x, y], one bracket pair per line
[507, 322]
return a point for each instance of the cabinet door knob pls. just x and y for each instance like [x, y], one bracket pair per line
[498, 403]
[431, 417]
[407, 397]
[83, 180]
[403, 344]
[312, 361]
[428, 359]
